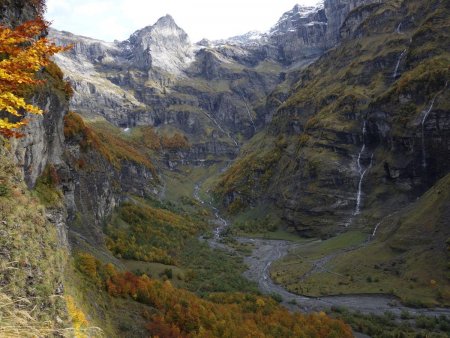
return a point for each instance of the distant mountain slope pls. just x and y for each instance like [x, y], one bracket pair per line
[364, 130]
[215, 92]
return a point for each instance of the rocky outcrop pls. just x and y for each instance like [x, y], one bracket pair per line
[352, 23]
[336, 12]
[44, 138]
[94, 93]
[43, 141]
[15, 12]
[300, 34]
[93, 187]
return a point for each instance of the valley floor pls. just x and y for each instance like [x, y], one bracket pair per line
[265, 254]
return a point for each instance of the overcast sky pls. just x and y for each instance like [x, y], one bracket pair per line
[118, 19]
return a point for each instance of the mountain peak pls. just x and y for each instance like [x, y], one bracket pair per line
[165, 26]
[166, 20]
[163, 45]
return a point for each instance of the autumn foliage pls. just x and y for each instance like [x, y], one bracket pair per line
[152, 234]
[23, 52]
[175, 142]
[105, 140]
[180, 313]
[75, 128]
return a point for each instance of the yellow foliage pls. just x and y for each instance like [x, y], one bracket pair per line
[88, 265]
[22, 54]
[79, 320]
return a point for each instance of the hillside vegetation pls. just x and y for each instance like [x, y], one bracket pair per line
[173, 312]
[407, 256]
[31, 260]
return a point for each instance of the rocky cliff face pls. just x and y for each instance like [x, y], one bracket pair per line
[154, 78]
[363, 131]
[95, 94]
[157, 75]
[15, 12]
[336, 12]
[300, 33]
[94, 187]
[44, 139]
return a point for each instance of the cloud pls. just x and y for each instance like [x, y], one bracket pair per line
[117, 19]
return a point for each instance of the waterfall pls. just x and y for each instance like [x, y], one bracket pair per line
[249, 114]
[398, 28]
[376, 228]
[381, 221]
[424, 119]
[358, 194]
[424, 155]
[362, 173]
[398, 64]
[221, 129]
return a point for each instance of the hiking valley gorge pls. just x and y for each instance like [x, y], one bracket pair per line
[293, 182]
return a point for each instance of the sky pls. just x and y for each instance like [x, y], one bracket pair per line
[111, 20]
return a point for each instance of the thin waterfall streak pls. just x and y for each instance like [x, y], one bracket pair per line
[249, 114]
[424, 119]
[359, 193]
[376, 228]
[381, 221]
[362, 173]
[221, 129]
[424, 155]
[395, 74]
